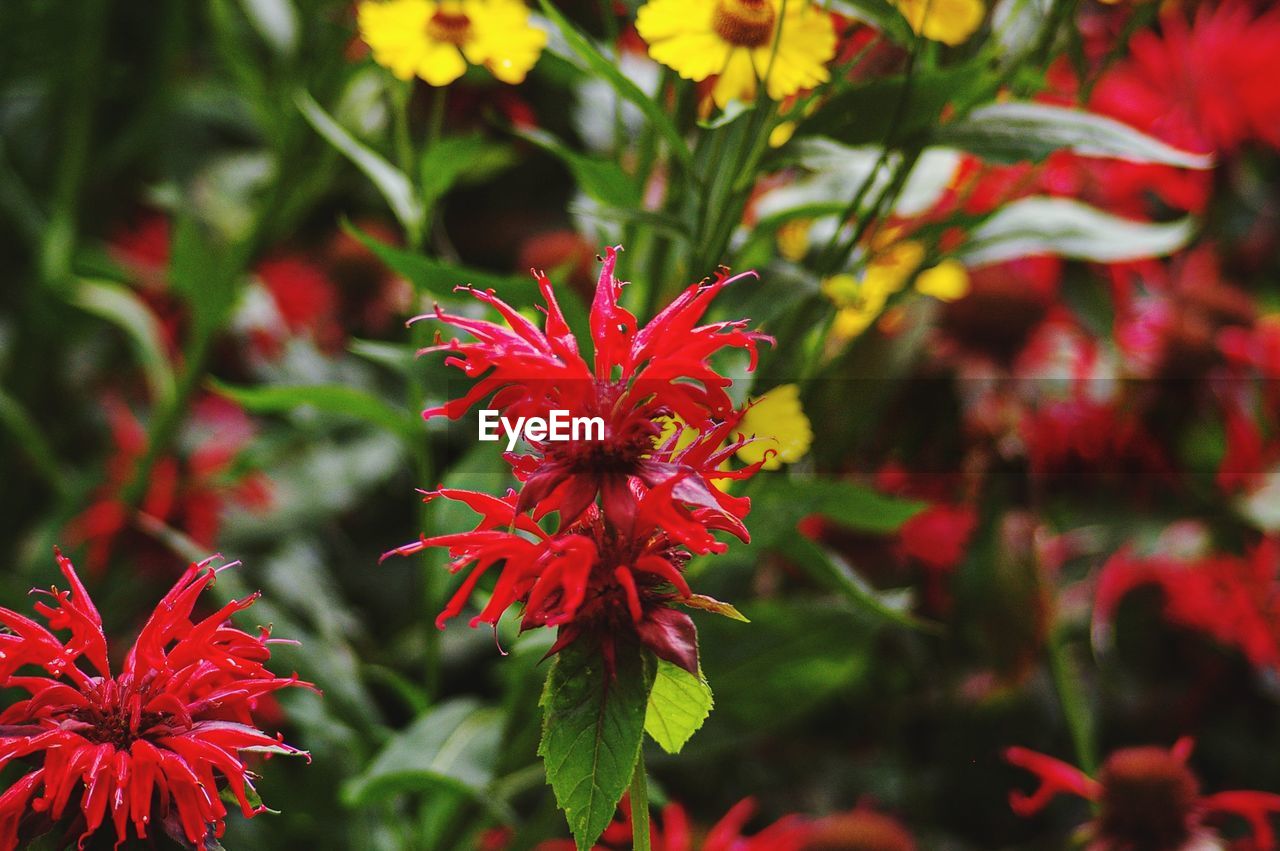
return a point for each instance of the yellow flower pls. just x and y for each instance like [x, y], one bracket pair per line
[735, 39]
[948, 21]
[436, 40]
[781, 426]
[858, 304]
[793, 239]
[782, 134]
[947, 281]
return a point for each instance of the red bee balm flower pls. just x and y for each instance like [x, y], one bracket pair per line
[152, 736]
[1148, 800]
[637, 377]
[591, 577]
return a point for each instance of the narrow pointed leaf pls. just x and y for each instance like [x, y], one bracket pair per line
[1010, 132]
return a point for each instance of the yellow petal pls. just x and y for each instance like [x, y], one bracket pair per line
[737, 81]
[806, 43]
[948, 21]
[503, 40]
[779, 421]
[781, 134]
[441, 64]
[693, 55]
[947, 281]
[396, 33]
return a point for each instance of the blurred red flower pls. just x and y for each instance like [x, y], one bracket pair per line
[1234, 600]
[187, 490]
[143, 744]
[1147, 800]
[1201, 84]
[673, 832]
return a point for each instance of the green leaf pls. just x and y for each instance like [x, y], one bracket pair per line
[598, 65]
[592, 730]
[678, 704]
[710, 604]
[602, 179]
[440, 279]
[782, 502]
[877, 14]
[1013, 131]
[871, 112]
[389, 180]
[455, 745]
[1061, 227]
[460, 160]
[331, 398]
[120, 306]
[799, 654]
[825, 568]
[276, 21]
[207, 273]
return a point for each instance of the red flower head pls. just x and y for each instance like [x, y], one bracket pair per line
[637, 377]
[143, 744]
[1148, 800]
[590, 578]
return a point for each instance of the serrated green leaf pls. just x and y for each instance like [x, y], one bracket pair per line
[599, 66]
[1013, 131]
[121, 306]
[331, 398]
[678, 704]
[710, 604]
[395, 187]
[1061, 227]
[592, 730]
[455, 745]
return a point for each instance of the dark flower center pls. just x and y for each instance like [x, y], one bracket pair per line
[449, 26]
[744, 23]
[859, 831]
[1148, 797]
[115, 727]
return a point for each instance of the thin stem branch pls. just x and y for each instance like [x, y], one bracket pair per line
[639, 806]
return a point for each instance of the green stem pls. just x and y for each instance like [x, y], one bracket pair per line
[400, 95]
[1075, 707]
[435, 128]
[639, 806]
[60, 234]
[30, 438]
[432, 574]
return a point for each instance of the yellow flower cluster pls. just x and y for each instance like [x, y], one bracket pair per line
[783, 43]
[859, 303]
[436, 40]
